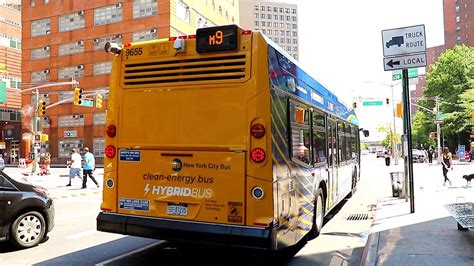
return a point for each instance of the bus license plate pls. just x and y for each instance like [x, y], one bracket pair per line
[180, 210]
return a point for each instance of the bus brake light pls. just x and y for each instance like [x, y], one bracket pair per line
[111, 131]
[183, 37]
[257, 155]
[246, 32]
[192, 36]
[172, 38]
[110, 151]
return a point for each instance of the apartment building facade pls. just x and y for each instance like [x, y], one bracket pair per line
[64, 40]
[10, 74]
[277, 20]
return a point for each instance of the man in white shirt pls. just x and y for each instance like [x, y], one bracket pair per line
[75, 167]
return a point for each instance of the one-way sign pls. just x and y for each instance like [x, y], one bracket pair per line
[408, 40]
[402, 62]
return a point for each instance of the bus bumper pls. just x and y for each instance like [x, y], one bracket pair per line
[185, 231]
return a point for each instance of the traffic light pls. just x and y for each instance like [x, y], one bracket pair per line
[387, 101]
[77, 96]
[354, 105]
[41, 108]
[99, 99]
[399, 110]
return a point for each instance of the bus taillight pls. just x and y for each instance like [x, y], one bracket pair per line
[257, 155]
[110, 151]
[246, 32]
[257, 131]
[111, 131]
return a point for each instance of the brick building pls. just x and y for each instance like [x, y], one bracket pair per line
[65, 40]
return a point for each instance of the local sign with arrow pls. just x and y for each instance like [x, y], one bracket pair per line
[402, 62]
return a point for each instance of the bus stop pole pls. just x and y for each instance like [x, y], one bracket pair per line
[407, 129]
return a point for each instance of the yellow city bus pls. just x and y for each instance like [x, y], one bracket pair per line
[221, 138]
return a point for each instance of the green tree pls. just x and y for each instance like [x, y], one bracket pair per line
[422, 125]
[451, 79]
[388, 139]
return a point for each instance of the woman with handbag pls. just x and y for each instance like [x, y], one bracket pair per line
[447, 163]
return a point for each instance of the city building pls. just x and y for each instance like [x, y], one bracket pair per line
[10, 74]
[278, 21]
[63, 40]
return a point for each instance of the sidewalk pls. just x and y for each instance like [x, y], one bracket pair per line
[429, 236]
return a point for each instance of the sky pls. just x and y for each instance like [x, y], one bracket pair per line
[340, 44]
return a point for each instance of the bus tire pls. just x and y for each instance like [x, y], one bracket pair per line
[353, 183]
[318, 217]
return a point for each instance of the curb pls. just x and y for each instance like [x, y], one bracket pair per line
[369, 257]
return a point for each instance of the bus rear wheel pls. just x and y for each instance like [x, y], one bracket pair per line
[318, 218]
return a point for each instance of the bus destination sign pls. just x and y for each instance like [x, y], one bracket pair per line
[215, 39]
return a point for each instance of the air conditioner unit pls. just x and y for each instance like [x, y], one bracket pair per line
[47, 48]
[80, 43]
[96, 40]
[153, 30]
[118, 5]
[75, 116]
[80, 67]
[48, 32]
[46, 71]
[118, 36]
[81, 13]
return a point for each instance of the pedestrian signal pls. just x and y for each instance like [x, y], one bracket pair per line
[41, 108]
[77, 96]
[354, 105]
[399, 110]
[387, 101]
[99, 99]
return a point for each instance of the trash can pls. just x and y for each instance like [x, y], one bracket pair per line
[387, 161]
[398, 183]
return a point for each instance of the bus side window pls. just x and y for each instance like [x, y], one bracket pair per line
[319, 137]
[300, 133]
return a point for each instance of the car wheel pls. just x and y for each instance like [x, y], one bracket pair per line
[318, 218]
[28, 229]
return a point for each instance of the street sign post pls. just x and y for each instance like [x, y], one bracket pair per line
[407, 40]
[404, 62]
[87, 103]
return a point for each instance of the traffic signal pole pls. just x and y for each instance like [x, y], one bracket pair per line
[438, 130]
[407, 131]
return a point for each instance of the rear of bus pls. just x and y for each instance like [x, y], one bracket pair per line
[188, 147]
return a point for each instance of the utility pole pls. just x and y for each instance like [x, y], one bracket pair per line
[394, 145]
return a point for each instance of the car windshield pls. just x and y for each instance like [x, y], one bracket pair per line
[19, 177]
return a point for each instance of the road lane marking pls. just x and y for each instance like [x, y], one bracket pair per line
[82, 234]
[128, 254]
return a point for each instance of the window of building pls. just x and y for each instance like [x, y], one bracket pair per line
[99, 147]
[288, 33]
[41, 53]
[282, 17]
[108, 14]
[275, 17]
[256, 23]
[293, 11]
[458, 28]
[99, 43]
[295, 49]
[264, 31]
[458, 9]
[295, 56]
[281, 10]
[288, 25]
[32, 3]
[295, 34]
[295, 41]
[294, 26]
[71, 71]
[72, 21]
[275, 32]
[288, 41]
[145, 8]
[262, 16]
[269, 8]
[276, 40]
[71, 48]
[41, 75]
[263, 23]
[144, 35]
[71, 120]
[66, 96]
[287, 10]
[282, 25]
[288, 18]
[255, 15]
[99, 119]
[458, 18]
[294, 18]
[255, 7]
[269, 16]
[102, 68]
[282, 40]
[262, 8]
[46, 2]
[282, 32]
[66, 145]
[458, 39]
[275, 9]
[182, 11]
[40, 27]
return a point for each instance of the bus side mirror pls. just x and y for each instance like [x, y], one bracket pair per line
[366, 133]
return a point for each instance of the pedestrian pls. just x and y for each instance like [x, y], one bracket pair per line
[75, 166]
[388, 153]
[430, 155]
[447, 163]
[89, 166]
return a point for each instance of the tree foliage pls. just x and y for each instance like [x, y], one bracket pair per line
[451, 78]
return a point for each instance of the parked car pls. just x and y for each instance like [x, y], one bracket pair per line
[26, 211]
[2, 164]
[380, 152]
[418, 156]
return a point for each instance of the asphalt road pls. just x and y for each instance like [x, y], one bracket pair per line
[75, 241]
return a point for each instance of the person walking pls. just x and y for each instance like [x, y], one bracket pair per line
[89, 166]
[75, 166]
[430, 155]
[447, 163]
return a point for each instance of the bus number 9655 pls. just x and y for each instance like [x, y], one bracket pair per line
[133, 51]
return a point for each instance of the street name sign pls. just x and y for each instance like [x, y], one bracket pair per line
[407, 40]
[372, 103]
[87, 103]
[405, 61]
[412, 73]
